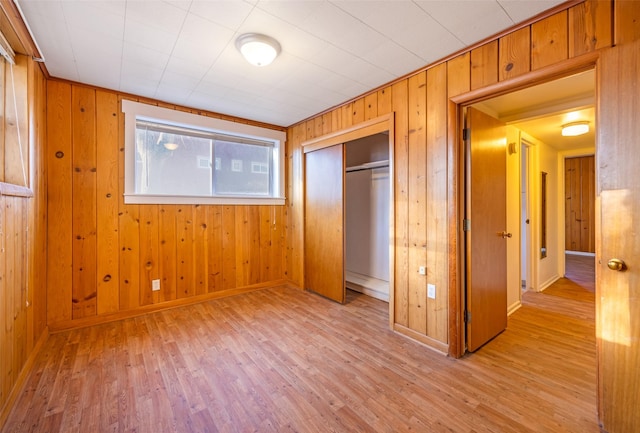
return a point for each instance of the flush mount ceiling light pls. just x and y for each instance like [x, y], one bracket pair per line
[575, 128]
[259, 50]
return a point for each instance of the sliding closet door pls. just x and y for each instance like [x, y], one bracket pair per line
[324, 222]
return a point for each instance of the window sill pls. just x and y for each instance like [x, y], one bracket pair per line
[203, 200]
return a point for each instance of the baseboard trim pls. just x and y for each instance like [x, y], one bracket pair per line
[548, 283]
[580, 253]
[22, 378]
[435, 345]
[514, 307]
[152, 308]
[370, 286]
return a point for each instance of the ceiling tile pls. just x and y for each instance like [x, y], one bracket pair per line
[292, 12]
[139, 72]
[94, 47]
[469, 21]
[393, 58]
[329, 23]
[522, 10]
[47, 22]
[99, 17]
[101, 71]
[227, 13]
[158, 14]
[133, 81]
[153, 24]
[149, 37]
[133, 53]
[201, 43]
[430, 41]
[388, 18]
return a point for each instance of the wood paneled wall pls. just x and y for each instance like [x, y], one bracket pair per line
[424, 166]
[103, 253]
[22, 223]
[580, 196]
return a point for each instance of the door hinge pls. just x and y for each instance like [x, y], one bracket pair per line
[465, 134]
[466, 225]
[467, 316]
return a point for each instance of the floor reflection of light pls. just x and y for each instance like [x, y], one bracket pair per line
[615, 321]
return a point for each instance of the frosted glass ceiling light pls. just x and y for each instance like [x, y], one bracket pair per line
[575, 128]
[259, 50]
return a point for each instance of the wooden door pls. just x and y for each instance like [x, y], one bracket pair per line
[618, 292]
[486, 278]
[579, 193]
[324, 222]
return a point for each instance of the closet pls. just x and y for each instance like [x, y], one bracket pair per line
[347, 219]
[367, 195]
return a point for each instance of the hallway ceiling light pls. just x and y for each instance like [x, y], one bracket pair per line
[575, 128]
[259, 50]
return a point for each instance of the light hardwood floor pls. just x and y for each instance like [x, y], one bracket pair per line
[282, 360]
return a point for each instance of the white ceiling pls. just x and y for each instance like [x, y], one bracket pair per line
[541, 110]
[183, 52]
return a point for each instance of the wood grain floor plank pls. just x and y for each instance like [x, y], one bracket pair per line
[282, 360]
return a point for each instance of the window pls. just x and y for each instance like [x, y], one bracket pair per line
[259, 167]
[204, 162]
[168, 158]
[236, 165]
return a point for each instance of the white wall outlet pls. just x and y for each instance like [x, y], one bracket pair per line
[431, 291]
[155, 285]
[422, 270]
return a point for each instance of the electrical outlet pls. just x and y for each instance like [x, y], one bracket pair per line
[422, 270]
[155, 285]
[431, 291]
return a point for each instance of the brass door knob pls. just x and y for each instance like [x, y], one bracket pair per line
[506, 234]
[616, 265]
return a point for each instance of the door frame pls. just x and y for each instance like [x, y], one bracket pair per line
[526, 235]
[456, 167]
[562, 265]
[385, 123]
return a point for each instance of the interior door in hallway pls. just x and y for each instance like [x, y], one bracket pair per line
[618, 289]
[486, 248]
[324, 222]
[579, 185]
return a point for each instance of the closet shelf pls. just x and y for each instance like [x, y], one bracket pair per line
[369, 165]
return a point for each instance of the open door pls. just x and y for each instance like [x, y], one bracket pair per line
[486, 238]
[324, 222]
[618, 262]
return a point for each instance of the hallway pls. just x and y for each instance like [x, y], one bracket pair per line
[552, 336]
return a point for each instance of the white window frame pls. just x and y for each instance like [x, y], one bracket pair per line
[236, 165]
[257, 167]
[204, 162]
[135, 110]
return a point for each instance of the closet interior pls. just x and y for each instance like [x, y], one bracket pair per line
[367, 203]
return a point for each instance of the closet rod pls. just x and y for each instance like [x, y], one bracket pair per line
[368, 166]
